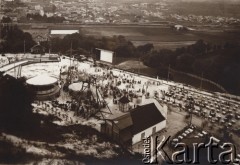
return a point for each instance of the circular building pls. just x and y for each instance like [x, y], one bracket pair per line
[46, 87]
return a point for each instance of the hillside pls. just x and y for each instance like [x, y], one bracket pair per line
[53, 143]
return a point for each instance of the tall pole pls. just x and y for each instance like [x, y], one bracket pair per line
[190, 123]
[139, 65]
[24, 46]
[191, 107]
[50, 45]
[201, 81]
[69, 69]
[14, 66]
[191, 112]
[168, 72]
[71, 54]
[91, 54]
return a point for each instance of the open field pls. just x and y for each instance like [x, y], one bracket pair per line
[137, 67]
[162, 36]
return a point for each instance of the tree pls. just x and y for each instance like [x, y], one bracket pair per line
[15, 102]
[56, 45]
[14, 39]
[145, 48]
[6, 20]
[184, 62]
[126, 50]
[198, 48]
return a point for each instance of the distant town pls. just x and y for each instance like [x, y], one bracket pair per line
[99, 11]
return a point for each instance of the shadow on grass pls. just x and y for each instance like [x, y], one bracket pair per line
[50, 133]
[11, 154]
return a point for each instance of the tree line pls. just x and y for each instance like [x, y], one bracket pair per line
[14, 40]
[44, 18]
[83, 44]
[219, 63]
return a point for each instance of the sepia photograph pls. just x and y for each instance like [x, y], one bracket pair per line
[119, 82]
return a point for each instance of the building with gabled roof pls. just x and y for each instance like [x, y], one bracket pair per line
[40, 38]
[38, 49]
[131, 127]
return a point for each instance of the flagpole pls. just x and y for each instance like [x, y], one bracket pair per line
[24, 48]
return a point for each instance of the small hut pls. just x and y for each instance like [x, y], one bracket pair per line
[123, 103]
[38, 49]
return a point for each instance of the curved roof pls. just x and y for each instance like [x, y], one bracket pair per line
[41, 80]
[38, 46]
[75, 86]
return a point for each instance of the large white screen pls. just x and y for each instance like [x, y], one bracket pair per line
[64, 31]
[106, 56]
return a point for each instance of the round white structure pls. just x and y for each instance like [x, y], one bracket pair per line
[46, 87]
[42, 80]
[75, 87]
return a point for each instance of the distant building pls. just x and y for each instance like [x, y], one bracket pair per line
[40, 38]
[9, 0]
[38, 49]
[61, 32]
[180, 28]
[130, 128]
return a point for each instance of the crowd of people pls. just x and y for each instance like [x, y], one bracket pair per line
[213, 109]
[3, 60]
[104, 89]
[113, 84]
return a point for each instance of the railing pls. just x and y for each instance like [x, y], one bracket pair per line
[200, 78]
[14, 65]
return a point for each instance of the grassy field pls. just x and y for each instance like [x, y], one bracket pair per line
[154, 33]
[137, 67]
[162, 36]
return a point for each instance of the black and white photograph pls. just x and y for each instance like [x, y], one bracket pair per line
[119, 82]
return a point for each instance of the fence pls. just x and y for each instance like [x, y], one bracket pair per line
[172, 71]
